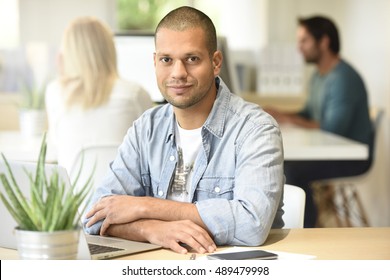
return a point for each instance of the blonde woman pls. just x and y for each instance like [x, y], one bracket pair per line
[88, 103]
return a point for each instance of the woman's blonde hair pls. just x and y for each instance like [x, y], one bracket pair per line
[89, 67]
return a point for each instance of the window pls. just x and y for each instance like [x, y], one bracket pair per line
[143, 14]
[9, 24]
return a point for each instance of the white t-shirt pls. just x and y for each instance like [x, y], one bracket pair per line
[71, 129]
[188, 144]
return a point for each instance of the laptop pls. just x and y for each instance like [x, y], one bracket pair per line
[96, 247]
[90, 246]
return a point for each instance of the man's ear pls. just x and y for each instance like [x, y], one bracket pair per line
[217, 62]
[324, 43]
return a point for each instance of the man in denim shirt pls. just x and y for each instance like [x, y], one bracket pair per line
[205, 169]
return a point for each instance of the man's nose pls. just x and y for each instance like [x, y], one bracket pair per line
[179, 70]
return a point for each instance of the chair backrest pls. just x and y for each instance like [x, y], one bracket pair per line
[93, 156]
[376, 115]
[294, 200]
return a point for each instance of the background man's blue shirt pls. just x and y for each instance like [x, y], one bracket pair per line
[338, 101]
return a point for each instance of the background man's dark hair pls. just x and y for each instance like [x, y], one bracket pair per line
[318, 27]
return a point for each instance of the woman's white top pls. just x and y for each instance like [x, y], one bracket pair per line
[70, 129]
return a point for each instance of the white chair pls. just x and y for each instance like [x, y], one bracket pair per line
[341, 202]
[294, 200]
[96, 157]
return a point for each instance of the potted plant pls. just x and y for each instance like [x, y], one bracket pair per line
[32, 114]
[48, 222]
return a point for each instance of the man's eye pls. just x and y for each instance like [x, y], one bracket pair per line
[193, 59]
[165, 59]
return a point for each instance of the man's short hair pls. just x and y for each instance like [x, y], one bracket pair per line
[186, 17]
[318, 27]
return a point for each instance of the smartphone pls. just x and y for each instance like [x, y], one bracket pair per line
[244, 255]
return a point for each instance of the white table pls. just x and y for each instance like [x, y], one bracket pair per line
[299, 144]
[315, 144]
[359, 243]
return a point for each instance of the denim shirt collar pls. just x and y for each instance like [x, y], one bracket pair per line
[172, 120]
[215, 122]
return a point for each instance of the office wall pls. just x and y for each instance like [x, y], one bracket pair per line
[45, 20]
[371, 51]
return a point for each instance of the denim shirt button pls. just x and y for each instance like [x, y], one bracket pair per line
[160, 193]
[172, 158]
[217, 189]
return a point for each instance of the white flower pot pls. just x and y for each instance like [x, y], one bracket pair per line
[32, 122]
[56, 245]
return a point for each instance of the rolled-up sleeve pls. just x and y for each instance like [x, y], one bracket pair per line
[258, 183]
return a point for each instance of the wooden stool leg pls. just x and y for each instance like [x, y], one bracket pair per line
[361, 214]
[338, 206]
[328, 214]
[352, 206]
[345, 205]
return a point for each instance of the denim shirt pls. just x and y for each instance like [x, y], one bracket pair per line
[238, 176]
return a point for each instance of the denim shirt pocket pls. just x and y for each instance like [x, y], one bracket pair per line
[147, 184]
[152, 187]
[214, 188]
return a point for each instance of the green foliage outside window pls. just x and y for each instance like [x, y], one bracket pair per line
[143, 14]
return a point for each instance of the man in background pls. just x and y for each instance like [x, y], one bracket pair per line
[337, 103]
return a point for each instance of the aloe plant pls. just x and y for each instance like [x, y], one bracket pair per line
[51, 206]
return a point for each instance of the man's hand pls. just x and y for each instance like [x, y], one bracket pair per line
[291, 118]
[116, 209]
[279, 116]
[170, 234]
[122, 209]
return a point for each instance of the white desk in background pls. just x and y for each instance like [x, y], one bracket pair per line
[308, 144]
[16, 146]
[315, 144]
[299, 144]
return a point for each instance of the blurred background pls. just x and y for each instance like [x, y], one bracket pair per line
[261, 52]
